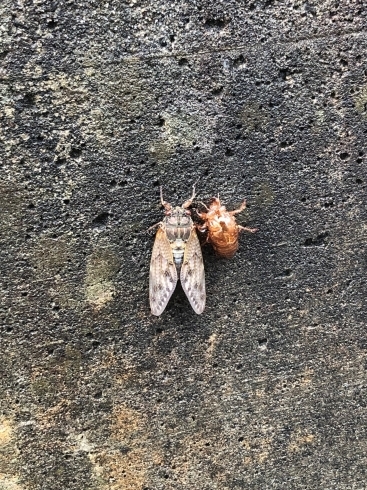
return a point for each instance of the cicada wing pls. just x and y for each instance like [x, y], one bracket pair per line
[192, 273]
[163, 273]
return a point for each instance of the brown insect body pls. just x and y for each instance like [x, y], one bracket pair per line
[176, 253]
[221, 228]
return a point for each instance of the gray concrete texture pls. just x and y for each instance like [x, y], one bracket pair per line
[102, 102]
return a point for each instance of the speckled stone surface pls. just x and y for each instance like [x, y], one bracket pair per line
[102, 102]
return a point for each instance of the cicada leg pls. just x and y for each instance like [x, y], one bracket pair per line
[164, 203]
[188, 203]
[153, 226]
[204, 205]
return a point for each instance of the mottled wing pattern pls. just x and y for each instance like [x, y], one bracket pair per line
[163, 273]
[192, 273]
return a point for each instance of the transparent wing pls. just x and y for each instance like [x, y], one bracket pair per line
[163, 273]
[192, 273]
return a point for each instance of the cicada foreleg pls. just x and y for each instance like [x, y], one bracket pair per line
[164, 203]
[188, 203]
[204, 205]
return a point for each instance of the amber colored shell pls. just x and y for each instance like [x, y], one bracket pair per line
[221, 228]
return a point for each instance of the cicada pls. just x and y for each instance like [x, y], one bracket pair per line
[176, 254]
[221, 228]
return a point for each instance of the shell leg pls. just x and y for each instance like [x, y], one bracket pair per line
[238, 210]
[250, 230]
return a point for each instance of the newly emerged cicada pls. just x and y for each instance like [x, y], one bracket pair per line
[221, 228]
[176, 253]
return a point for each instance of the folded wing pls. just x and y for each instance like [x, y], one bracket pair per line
[192, 274]
[163, 273]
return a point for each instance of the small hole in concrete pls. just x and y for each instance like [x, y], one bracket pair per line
[239, 61]
[217, 90]
[29, 99]
[343, 155]
[283, 73]
[262, 342]
[75, 152]
[183, 61]
[51, 24]
[316, 242]
[100, 220]
[215, 23]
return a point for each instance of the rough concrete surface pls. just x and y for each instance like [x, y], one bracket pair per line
[102, 102]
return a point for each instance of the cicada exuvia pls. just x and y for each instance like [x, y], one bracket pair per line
[221, 228]
[176, 254]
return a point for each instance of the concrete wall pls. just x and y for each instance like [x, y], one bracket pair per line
[102, 102]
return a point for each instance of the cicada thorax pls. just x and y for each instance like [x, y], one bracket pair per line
[178, 226]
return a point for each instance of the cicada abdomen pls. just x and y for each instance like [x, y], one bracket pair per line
[221, 228]
[176, 254]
